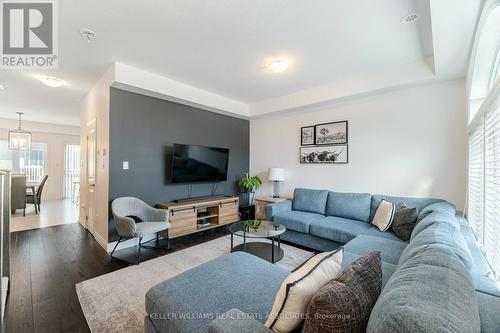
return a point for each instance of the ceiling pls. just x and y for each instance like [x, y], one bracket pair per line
[221, 46]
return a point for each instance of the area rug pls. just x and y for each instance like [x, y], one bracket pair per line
[115, 302]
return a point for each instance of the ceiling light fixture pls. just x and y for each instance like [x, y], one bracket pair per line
[410, 18]
[278, 65]
[19, 139]
[87, 34]
[51, 81]
[2, 87]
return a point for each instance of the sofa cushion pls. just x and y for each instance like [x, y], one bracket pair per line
[337, 228]
[344, 304]
[431, 292]
[481, 266]
[354, 206]
[441, 234]
[441, 207]
[432, 218]
[387, 269]
[308, 200]
[373, 231]
[489, 308]
[296, 220]
[253, 283]
[418, 203]
[390, 250]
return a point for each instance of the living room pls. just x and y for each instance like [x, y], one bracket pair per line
[258, 166]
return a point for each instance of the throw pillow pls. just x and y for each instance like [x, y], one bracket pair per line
[297, 289]
[384, 215]
[345, 303]
[135, 218]
[404, 221]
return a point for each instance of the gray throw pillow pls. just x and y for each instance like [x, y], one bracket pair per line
[344, 304]
[404, 221]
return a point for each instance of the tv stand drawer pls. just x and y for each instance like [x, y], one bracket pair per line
[182, 222]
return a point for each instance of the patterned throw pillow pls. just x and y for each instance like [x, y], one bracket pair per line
[290, 303]
[384, 215]
[404, 221]
[345, 303]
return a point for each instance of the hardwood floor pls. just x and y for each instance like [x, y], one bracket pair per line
[47, 263]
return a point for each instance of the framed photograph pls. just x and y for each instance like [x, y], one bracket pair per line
[338, 154]
[307, 136]
[331, 133]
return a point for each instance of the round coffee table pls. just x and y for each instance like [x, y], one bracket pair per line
[254, 229]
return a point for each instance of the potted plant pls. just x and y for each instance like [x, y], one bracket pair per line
[249, 184]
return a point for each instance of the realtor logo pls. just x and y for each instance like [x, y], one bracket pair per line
[29, 34]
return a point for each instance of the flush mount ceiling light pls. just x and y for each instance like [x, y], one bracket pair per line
[19, 139]
[278, 65]
[51, 81]
[87, 34]
[410, 18]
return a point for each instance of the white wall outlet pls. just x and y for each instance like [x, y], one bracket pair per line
[125, 165]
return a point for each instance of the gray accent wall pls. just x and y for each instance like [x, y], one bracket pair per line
[142, 128]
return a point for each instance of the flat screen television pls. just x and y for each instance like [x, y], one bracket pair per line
[194, 164]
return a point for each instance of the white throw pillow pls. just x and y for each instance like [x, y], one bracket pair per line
[299, 287]
[384, 215]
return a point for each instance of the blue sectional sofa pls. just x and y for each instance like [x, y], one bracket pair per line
[438, 281]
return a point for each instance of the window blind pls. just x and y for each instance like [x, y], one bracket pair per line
[491, 232]
[476, 181]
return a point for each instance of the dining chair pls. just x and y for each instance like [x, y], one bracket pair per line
[135, 219]
[35, 197]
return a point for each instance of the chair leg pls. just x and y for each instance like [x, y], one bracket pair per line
[157, 240]
[119, 240]
[36, 210]
[139, 251]
[24, 211]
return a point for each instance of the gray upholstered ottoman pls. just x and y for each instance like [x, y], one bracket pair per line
[189, 301]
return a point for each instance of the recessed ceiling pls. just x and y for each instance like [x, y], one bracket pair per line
[221, 46]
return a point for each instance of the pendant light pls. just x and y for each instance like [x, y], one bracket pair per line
[19, 139]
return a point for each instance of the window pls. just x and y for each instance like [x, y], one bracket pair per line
[484, 137]
[71, 169]
[31, 162]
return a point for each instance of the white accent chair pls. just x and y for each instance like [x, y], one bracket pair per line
[152, 221]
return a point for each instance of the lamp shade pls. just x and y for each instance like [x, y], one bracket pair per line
[276, 174]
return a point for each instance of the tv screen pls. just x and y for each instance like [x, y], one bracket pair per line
[192, 164]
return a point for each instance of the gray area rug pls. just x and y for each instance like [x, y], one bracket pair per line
[115, 302]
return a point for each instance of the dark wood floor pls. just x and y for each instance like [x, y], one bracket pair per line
[47, 263]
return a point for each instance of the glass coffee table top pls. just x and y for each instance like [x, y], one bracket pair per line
[257, 229]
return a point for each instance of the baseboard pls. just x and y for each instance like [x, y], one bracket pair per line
[128, 243]
[100, 240]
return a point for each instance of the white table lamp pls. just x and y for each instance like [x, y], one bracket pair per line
[276, 175]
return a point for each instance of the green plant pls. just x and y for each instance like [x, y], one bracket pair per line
[251, 224]
[250, 183]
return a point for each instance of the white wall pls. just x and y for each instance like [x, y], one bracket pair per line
[56, 137]
[408, 142]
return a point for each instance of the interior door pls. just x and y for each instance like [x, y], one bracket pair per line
[91, 174]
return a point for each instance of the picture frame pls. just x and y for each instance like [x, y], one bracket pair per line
[331, 133]
[334, 154]
[307, 135]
